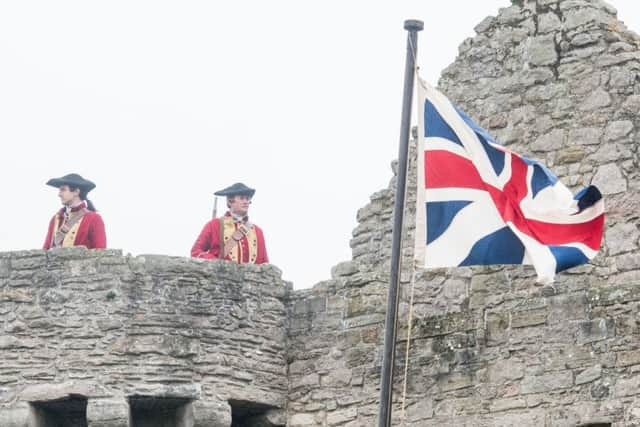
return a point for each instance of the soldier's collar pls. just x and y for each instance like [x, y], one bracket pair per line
[239, 218]
[76, 208]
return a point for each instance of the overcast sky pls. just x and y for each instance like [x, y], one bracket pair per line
[161, 103]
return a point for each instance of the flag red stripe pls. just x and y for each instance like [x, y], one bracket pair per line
[508, 204]
[588, 233]
[444, 169]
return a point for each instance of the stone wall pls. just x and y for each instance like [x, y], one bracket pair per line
[194, 339]
[559, 82]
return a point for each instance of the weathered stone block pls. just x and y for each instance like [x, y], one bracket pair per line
[548, 22]
[420, 411]
[510, 15]
[505, 370]
[343, 269]
[596, 100]
[341, 416]
[583, 39]
[442, 325]
[543, 94]
[589, 375]
[310, 380]
[53, 391]
[500, 405]
[310, 305]
[631, 104]
[595, 330]
[628, 262]
[546, 382]
[496, 326]
[629, 386]
[551, 141]
[455, 380]
[574, 18]
[364, 320]
[36, 261]
[633, 412]
[17, 416]
[609, 179]
[302, 420]
[8, 342]
[520, 319]
[570, 155]
[179, 346]
[622, 237]
[613, 294]
[567, 307]
[628, 358]
[584, 136]
[542, 51]
[208, 414]
[355, 306]
[25, 295]
[107, 413]
[5, 270]
[336, 378]
[617, 130]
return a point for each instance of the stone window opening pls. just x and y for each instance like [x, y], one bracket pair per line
[245, 413]
[68, 411]
[150, 411]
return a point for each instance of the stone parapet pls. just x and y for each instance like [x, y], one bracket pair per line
[109, 330]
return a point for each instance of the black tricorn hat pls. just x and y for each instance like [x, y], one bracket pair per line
[236, 189]
[72, 180]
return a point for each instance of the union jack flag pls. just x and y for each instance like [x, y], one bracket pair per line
[480, 203]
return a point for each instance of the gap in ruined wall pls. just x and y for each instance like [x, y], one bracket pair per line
[67, 412]
[595, 425]
[149, 411]
[246, 414]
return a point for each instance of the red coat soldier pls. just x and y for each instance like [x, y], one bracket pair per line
[77, 223]
[232, 236]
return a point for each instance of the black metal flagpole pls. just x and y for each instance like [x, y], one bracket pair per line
[390, 329]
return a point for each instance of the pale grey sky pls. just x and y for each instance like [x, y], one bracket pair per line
[161, 103]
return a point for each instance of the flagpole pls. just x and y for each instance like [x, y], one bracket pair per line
[390, 329]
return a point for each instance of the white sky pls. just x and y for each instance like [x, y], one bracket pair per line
[162, 103]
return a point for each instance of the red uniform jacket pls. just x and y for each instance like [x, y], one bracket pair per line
[208, 244]
[90, 231]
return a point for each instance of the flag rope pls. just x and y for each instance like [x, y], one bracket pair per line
[413, 282]
[406, 354]
[416, 69]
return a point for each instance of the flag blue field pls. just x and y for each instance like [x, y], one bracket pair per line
[478, 203]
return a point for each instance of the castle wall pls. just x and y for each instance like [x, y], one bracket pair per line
[111, 328]
[559, 82]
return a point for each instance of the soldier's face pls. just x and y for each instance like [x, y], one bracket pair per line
[239, 204]
[67, 197]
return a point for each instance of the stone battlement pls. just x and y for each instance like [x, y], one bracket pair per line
[206, 338]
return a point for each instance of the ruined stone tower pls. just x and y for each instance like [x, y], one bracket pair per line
[557, 81]
[99, 339]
